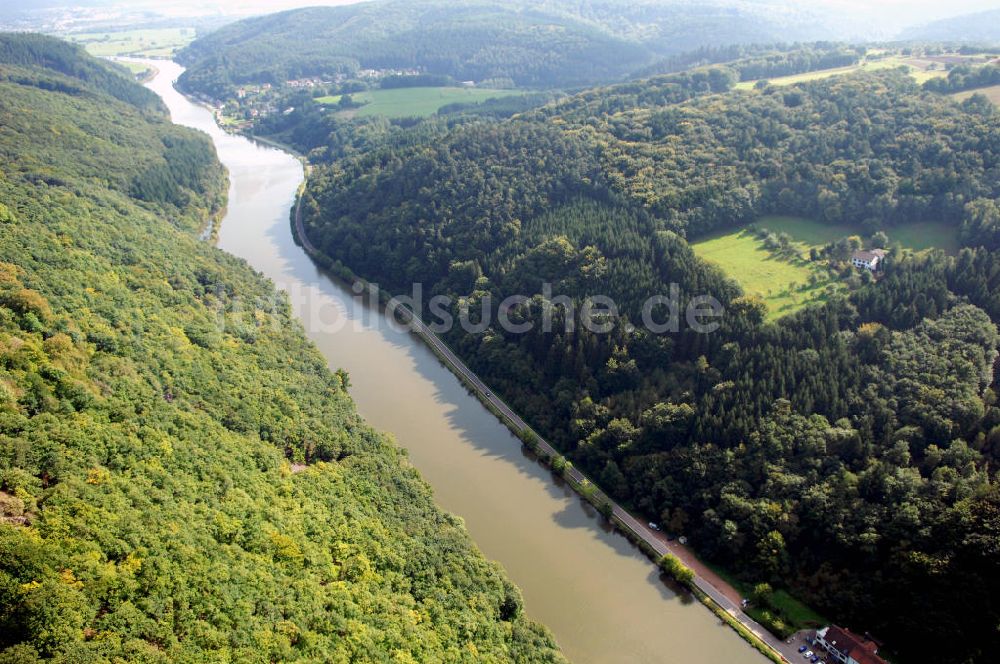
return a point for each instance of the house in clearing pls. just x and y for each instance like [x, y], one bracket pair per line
[846, 647]
[869, 259]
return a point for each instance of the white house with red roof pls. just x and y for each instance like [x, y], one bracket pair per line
[868, 259]
[846, 647]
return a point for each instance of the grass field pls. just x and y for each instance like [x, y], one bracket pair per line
[992, 93]
[414, 102]
[784, 285]
[157, 43]
[917, 235]
[920, 70]
[134, 67]
[807, 232]
[921, 235]
[794, 613]
[787, 285]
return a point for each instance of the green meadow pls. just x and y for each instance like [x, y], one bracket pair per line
[785, 285]
[917, 69]
[916, 235]
[788, 284]
[414, 102]
[153, 43]
[136, 68]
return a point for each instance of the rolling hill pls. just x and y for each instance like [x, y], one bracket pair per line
[553, 43]
[807, 447]
[970, 28]
[181, 477]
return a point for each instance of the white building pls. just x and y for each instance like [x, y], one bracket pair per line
[847, 647]
[868, 259]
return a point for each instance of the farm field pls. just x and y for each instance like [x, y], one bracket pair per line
[414, 102]
[153, 43]
[992, 93]
[785, 285]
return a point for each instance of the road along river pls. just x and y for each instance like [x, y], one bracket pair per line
[602, 599]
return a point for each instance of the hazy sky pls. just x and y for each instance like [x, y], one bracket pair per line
[904, 10]
[903, 7]
[884, 16]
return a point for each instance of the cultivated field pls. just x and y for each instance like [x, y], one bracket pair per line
[414, 102]
[157, 43]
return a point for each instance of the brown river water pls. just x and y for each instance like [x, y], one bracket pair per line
[602, 599]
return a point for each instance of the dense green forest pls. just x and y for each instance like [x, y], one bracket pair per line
[847, 452]
[181, 476]
[540, 44]
[311, 126]
[755, 61]
[965, 78]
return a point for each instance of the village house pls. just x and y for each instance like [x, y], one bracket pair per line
[869, 259]
[846, 647]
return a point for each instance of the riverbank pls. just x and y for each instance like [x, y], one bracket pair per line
[709, 588]
[591, 587]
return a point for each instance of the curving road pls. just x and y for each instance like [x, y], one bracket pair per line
[720, 592]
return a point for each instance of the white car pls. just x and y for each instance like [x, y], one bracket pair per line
[807, 654]
[653, 526]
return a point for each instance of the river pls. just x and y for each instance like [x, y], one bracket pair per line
[602, 599]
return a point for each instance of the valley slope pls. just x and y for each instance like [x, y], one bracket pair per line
[181, 476]
[537, 44]
[846, 451]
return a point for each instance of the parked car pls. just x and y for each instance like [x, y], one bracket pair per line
[653, 526]
[682, 539]
[815, 658]
[807, 654]
[803, 648]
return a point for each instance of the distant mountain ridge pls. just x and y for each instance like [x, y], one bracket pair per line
[978, 27]
[553, 43]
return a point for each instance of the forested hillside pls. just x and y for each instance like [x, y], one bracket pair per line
[979, 27]
[756, 61]
[553, 43]
[181, 476]
[847, 452]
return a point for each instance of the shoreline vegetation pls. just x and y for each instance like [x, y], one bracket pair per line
[730, 440]
[622, 521]
[152, 501]
[845, 453]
